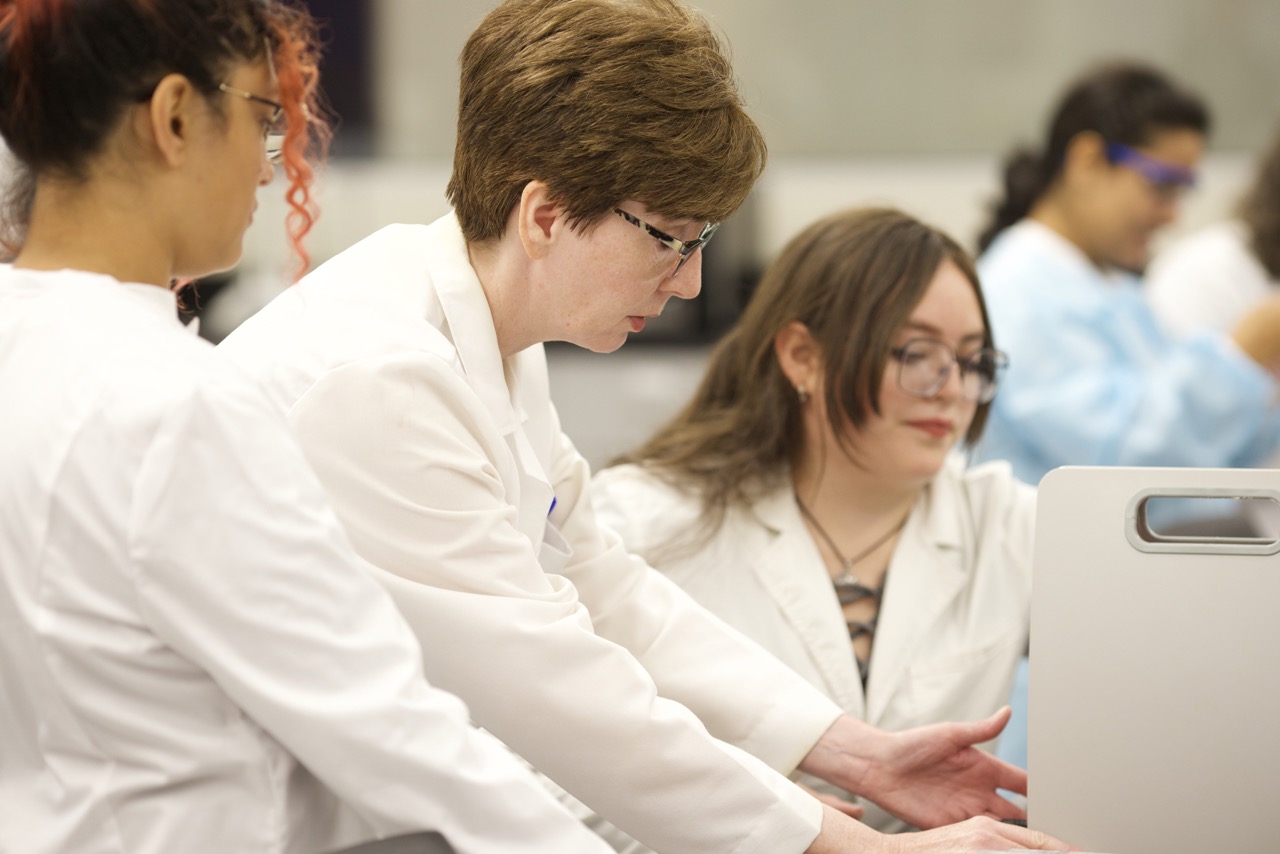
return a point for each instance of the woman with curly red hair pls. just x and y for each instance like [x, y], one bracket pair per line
[189, 657]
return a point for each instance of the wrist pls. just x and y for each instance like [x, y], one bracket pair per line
[845, 754]
[841, 835]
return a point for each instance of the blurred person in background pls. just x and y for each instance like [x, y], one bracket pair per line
[1214, 277]
[1223, 274]
[1095, 380]
[191, 658]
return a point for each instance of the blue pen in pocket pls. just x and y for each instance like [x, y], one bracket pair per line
[553, 505]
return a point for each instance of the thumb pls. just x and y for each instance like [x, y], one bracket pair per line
[976, 732]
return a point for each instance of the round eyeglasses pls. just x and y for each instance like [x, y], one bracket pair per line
[683, 249]
[924, 366]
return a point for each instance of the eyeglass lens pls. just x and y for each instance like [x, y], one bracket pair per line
[925, 366]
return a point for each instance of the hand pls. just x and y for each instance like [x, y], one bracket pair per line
[928, 776]
[976, 834]
[839, 835]
[1258, 333]
[849, 808]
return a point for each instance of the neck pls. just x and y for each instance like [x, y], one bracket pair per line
[1052, 212]
[842, 490]
[504, 278]
[96, 226]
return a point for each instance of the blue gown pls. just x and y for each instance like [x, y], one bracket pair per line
[1094, 379]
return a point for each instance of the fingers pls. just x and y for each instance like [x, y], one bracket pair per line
[840, 804]
[1002, 808]
[1034, 839]
[1011, 778]
[980, 834]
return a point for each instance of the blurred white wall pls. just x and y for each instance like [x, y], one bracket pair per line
[911, 103]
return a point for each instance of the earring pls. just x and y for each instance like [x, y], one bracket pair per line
[803, 394]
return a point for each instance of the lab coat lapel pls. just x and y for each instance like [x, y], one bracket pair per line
[926, 573]
[469, 322]
[470, 326]
[790, 568]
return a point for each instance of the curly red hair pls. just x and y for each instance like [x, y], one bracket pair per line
[296, 57]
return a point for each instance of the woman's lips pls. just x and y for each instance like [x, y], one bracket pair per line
[935, 427]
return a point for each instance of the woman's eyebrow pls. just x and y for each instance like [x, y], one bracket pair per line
[923, 326]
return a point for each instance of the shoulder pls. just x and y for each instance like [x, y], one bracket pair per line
[1220, 251]
[644, 507]
[989, 492]
[340, 316]
[1030, 276]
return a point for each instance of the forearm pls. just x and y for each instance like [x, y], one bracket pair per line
[741, 693]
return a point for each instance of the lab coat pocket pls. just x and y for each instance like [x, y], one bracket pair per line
[555, 551]
[964, 685]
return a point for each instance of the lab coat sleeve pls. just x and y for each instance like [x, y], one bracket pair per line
[242, 568]
[421, 477]
[1072, 395]
[1188, 292]
[742, 693]
[1208, 280]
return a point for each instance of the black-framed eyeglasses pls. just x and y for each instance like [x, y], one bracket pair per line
[273, 132]
[924, 366]
[1168, 180]
[685, 249]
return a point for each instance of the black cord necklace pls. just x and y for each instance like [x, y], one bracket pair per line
[847, 576]
[849, 588]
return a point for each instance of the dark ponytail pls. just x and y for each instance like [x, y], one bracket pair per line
[1123, 102]
[1026, 177]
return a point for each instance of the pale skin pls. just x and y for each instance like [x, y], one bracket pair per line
[1111, 213]
[170, 196]
[544, 281]
[858, 498]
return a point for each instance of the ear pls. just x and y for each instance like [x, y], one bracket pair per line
[1086, 154]
[540, 219]
[799, 356]
[166, 120]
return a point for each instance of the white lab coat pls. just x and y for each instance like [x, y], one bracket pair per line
[190, 658]
[448, 467]
[953, 621]
[1209, 279]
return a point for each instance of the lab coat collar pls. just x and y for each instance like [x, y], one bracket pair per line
[163, 302]
[790, 568]
[470, 323]
[154, 300]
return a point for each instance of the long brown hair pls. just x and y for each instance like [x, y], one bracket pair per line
[853, 280]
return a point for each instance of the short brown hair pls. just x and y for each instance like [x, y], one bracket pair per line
[604, 100]
[853, 280]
